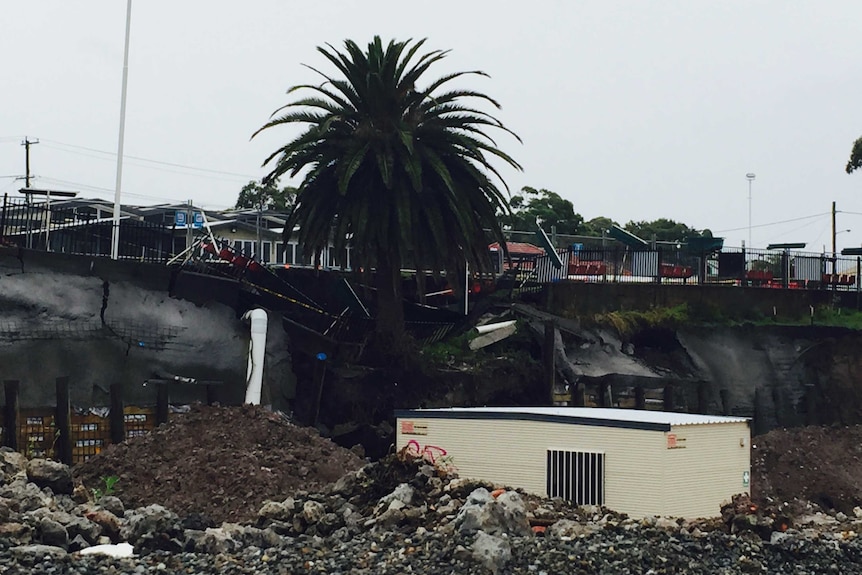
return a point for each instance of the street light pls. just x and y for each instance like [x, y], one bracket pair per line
[834, 249]
[750, 177]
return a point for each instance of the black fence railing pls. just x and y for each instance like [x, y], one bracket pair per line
[784, 269]
[78, 230]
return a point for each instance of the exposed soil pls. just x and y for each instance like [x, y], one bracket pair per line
[822, 465]
[219, 464]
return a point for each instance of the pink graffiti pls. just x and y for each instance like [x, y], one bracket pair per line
[430, 453]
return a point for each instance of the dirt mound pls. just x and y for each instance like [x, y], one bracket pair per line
[220, 463]
[822, 465]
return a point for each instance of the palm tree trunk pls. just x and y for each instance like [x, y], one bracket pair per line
[390, 306]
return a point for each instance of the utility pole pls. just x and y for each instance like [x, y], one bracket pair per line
[27, 143]
[834, 233]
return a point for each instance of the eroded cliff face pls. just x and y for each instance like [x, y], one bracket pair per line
[99, 323]
[780, 376]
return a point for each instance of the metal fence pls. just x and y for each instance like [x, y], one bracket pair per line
[783, 269]
[37, 431]
[79, 230]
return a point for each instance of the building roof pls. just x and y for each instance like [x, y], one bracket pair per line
[518, 248]
[596, 416]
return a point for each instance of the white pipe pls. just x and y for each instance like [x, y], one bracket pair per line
[488, 327]
[256, 352]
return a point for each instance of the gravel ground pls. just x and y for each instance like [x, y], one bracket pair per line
[354, 527]
[609, 551]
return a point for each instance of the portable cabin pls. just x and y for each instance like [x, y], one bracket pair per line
[637, 462]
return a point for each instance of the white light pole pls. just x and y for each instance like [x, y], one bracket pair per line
[115, 227]
[750, 177]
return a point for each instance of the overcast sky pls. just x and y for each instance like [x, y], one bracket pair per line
[632, 110]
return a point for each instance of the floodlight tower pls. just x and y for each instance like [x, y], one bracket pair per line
[750, 176]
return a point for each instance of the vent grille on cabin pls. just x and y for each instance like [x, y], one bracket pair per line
[576, 476]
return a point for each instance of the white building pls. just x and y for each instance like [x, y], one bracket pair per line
[636, 462]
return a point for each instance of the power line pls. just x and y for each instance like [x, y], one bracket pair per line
[100, 190]
[140, 159]
[776, 223]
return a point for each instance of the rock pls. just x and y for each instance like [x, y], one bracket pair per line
[80, 494]
[27, 495]
[399, 498]
[312, 511]
[481, 512]
[6, 506]
[52, 474]
[11, 463]
[514, 513]
[40, 551]
[112, 504]
[78, 543]
[391, 517]
[568, 529]
[345, 484]
[328, 523]
[492, 552]
[152, 527]
[83, 527]
[53, 533]
[197, 521]
[216, 541]
[277, 510]
[109, 522]
[16, 531]
[666, 523]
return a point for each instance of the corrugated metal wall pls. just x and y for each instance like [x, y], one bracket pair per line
[705, 467]
[514, 453]
[642, 476]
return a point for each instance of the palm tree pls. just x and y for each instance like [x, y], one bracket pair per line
[403, 174]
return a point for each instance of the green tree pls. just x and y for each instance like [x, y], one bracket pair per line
[855, 161]
[402, 172]
[597, 226]
[545, 206]
[266, 196]
[664, 230]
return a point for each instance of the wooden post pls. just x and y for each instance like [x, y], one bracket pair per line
[579, 394]
[212, 394]
[161, 403]
[548, 357]
[640, 398]
[317, 386]
[810, 406]
[10, 429]
[669, 404]
[117, 420]
[725, 401]
[63, 421]
[702, 397]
